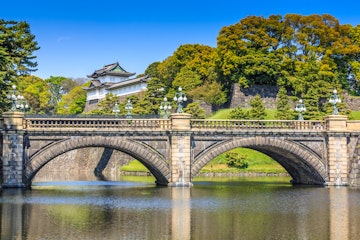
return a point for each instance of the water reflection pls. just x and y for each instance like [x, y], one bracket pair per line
[223, 208]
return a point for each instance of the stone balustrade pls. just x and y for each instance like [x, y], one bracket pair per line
[257, 124]
[95, 123]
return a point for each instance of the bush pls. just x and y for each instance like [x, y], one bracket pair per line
[235, 160]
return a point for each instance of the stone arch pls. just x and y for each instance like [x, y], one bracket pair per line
[304, 166]
[151, 159]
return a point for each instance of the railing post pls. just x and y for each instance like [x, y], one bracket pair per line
[180, 162]
[12, 153]
[338, 162]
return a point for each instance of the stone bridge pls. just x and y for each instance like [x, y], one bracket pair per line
[176, 149]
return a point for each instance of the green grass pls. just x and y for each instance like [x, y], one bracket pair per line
[270, 114]
[225, 113]
[134, 166]
[258, 162]
[355, 115]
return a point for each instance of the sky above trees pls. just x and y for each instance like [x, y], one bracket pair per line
[76, 38]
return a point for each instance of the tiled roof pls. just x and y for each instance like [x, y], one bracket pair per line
[129, 82]
[113, 69]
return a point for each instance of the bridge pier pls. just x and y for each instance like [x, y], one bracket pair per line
[12, 150]
[337, 149]
[180, 162]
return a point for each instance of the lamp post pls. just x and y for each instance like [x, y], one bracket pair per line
[180, 97]
[165, 105]
[300, 107]
[335, 99]
[116, 110]
[128, 107]
[18, 102]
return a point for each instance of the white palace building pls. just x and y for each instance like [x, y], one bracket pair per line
[112, 78]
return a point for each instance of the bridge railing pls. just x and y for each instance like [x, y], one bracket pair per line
[96, 123]
[257, 124]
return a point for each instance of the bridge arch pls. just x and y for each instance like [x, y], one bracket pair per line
[150, 158]
[303, 165]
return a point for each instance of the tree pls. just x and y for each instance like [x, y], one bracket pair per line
[210, 92]
[106, 105]
[257, 110]
[72, 102]
[283, 111]
[239, 113]
[187, 79]
[195, 110]
[58, 86]
[17, 45]
[36, 92]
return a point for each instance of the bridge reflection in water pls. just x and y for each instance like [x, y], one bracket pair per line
[223, 209]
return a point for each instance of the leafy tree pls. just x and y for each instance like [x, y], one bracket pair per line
[283, 111]
[195, 110]
[257, 110]
[36, 92]
[210, 92]
[17, 45]
[58, 86]
[187, 79]
[72, 102]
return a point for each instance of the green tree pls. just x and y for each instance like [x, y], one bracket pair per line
[239, 113]
[195, 110]
[257, 110]
[283, 111]
[149, 102]
[58, 86]
[17, 45]
[36, 92]
[106, 105]
[72, 102]
[235, 160]
[210, 92]
[187, 79]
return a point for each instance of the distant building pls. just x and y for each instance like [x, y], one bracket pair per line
[113, 79]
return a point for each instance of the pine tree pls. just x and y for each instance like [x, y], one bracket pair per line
[283, 111]
[257, 110]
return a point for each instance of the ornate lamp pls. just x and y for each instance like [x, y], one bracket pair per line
[335, 99]
[128, 107]
[300, 107]
[165, 105]
[180, 97]
[116, 110]
[18, 101]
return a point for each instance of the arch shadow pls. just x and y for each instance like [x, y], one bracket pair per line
[303, 165]
[149, 157]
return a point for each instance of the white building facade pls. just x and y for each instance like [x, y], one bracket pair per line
[112, 78]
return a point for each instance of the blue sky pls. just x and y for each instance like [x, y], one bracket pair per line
[78, 37]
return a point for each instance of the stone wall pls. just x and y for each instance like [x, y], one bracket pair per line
[84, 161]
[355, 167]
[242, 97]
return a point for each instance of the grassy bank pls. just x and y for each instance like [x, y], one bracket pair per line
[270, 114]
[257, 162]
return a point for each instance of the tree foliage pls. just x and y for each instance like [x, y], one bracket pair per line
[257, 110]
[283, 111]
[17, 46]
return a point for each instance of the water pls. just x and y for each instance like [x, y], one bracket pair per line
[214, 208]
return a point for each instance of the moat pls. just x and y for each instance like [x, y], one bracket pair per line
[214, 208]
